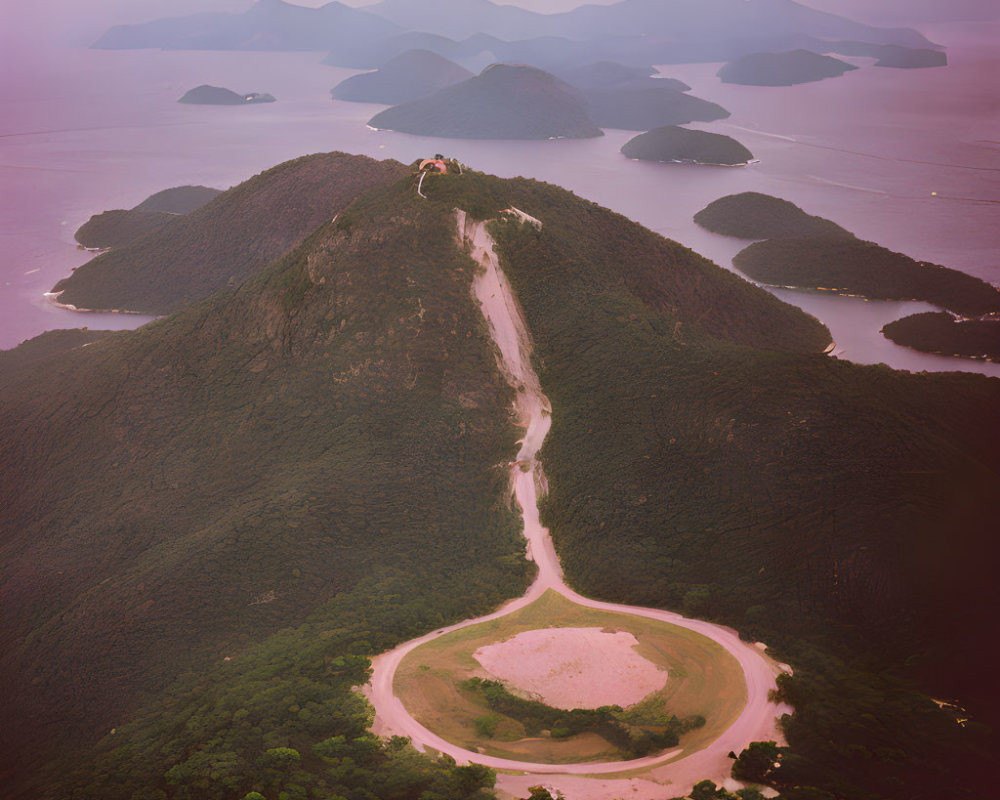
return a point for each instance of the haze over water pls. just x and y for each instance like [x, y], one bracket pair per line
[101, 129]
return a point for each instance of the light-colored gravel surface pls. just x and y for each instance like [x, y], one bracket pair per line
[573, 667]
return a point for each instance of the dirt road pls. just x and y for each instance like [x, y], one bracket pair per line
[673, 769]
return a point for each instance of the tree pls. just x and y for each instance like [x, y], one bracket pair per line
[758, 762]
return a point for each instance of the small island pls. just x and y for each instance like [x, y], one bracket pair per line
[942, 333]
[910, 58]
[892, 55]
[782, 69]
[752, 215]
[855, 267]
[642, 108]
[206, 95]
[671, 144]
[119, 226]
[504, 101]
[408, 76]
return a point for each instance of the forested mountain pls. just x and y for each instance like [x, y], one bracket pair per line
[266, 25]
[225, 241]
[409, 76]
[634, 31]
[673, 20]
[212, 522]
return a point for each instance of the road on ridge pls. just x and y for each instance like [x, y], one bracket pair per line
[756, 721]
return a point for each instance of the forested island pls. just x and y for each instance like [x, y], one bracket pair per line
[635, 32]
[752, 215]
[206, 95]
[298, 471]
[503, 102]
[680, 145]
[408, 76]
[851, 266]
[513, 101]
[119, 226]
[942, 333]
[641, 108]
[893, 55]
[782, 69]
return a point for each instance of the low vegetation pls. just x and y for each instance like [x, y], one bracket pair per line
[633, 736]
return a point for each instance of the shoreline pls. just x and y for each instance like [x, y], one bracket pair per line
[50, 297]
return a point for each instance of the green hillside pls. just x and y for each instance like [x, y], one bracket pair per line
[119, 226]
[227, 240]
[840, 512]
[213, 522]
[315, 453]
[45, 345]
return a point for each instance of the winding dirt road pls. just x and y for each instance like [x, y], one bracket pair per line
[576, 781]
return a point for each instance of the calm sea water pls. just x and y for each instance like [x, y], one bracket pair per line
[910, 159]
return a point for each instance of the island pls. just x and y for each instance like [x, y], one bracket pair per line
[206, 95]
[892, 55]
[505, 101]
[673, 144]
[855, 267]
[118, 226]
[753, 215]
[647, 106]
[943, 333]
[782, 69]
[408, 76]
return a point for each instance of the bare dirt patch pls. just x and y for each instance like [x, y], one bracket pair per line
[573, 667]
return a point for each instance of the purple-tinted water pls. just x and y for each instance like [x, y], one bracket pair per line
[103, 130]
